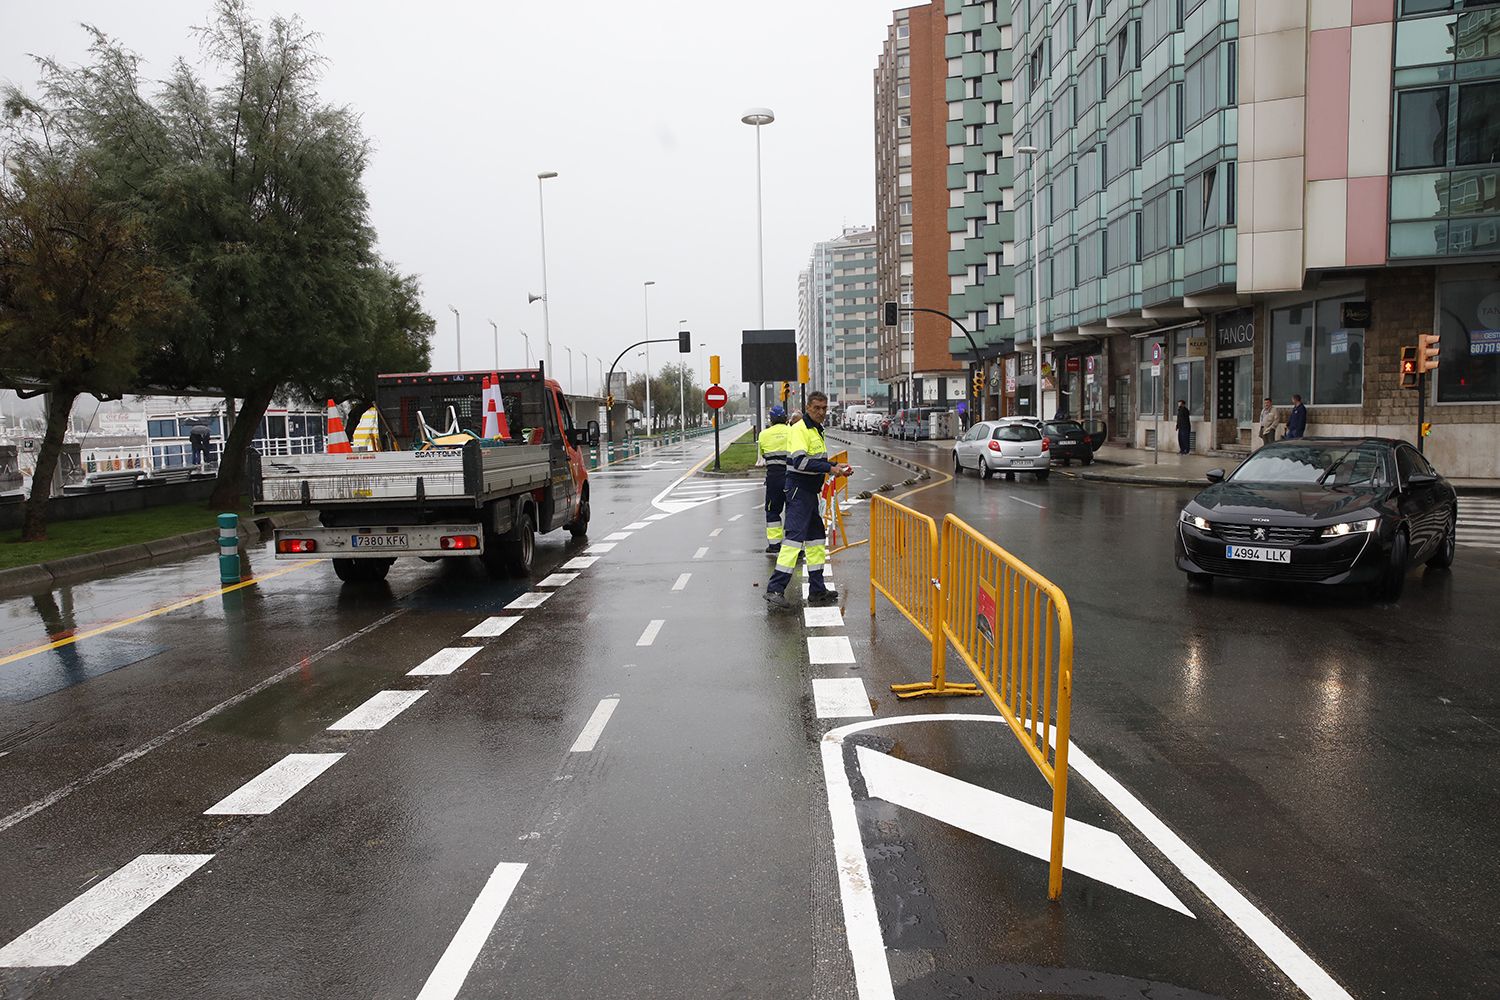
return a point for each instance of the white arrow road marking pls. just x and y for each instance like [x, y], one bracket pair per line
[840, 698]
[272, 787]
[94, 917]
[452, 969]
[1021, 826]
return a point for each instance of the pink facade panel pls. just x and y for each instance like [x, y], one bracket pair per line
[1373, 11]
[1328, 104]
[1365, 229]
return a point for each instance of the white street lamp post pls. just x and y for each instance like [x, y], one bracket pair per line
[528, 346]
[1036, 273]
[646, 311]
[759, 117]
[496, 327]
[458, 336]
[570, 370]
[541, 209]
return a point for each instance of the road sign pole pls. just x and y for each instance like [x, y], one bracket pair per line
[716, 440]
[1421, 410]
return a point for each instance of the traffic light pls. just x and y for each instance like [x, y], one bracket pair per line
[1426, 427]
[713, 369]
[1427, 352]
[684, 341]
[802, 369]
[609, 401]
[892, 314]
[1408, 367]
[979, 382]
[786, 391]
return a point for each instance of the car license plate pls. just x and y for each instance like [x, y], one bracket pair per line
[1020, 461]
[379, 541]
[1259, 555]
[1067, 442]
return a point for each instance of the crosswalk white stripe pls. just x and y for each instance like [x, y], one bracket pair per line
[98, 914]
[378, 709]
[840, 698]
[272, 787]
[829, 617]
[825, 649]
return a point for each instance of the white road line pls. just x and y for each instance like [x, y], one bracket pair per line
[829, 649]
[736, 517]
[270, 788]
[649, 636]
[1026, 502]
[599, 548]
[443, 662]
[617, 536]
[637, 525]
[595, 726]
[872, 973]
[558, 580]
[716, 533]
[380, 708]
[829, 617]
[682, 581]
[658, 517]
[581, 562]
[701, 553]
[841, 698]
[94, 917]
[491, 627]
[452, 969]
[530, 599]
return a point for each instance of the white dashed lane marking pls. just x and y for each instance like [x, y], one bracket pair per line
[736, 517]
[649, 636]
[637, 525]
[595, 726]
[599, 548]
[829, 649]
[829, 617]
[581, 562]
[444, 661]
[617, 536]
[682, 581]
[657, 517]
[841, 698]
[452, 969]
[270, 788]
[558, 580]
[94, 917]
[716, 533]
[378, 709]
[490, 628]
[701, 553]
[530, 599]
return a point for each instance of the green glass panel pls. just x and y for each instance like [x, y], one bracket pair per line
[1419, 196]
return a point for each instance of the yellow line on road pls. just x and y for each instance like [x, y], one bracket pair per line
[101, 630]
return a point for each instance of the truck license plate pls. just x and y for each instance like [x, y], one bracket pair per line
[1258, 555]
[379, 542]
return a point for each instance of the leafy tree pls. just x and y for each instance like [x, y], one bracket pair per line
[80, 290]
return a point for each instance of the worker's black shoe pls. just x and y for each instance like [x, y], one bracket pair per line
[823, 597]
[777, 599]
[773, 549]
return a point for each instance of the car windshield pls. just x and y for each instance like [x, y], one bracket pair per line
[1065, 427]
[1314, 463]
[1017, 432]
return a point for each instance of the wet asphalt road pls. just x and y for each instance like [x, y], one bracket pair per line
[1334, 761]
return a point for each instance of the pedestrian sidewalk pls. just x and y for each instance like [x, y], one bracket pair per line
[1142, 467]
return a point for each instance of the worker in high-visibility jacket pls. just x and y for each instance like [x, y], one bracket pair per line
[773, 445]
[807, 467]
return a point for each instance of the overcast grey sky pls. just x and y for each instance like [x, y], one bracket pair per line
[636, 106]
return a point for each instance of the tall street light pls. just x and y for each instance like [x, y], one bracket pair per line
[759, 117]
[528, 346]
[570, 371]
[458, 336]
[1036, 272]
[646, 309]
[496, 327]
[541, 209]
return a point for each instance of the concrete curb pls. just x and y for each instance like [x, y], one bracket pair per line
[882, 455]
[1120, 477]
[20, 579]
[752, 473]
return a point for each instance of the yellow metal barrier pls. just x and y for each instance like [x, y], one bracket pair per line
[904, 567]
[1014, 629]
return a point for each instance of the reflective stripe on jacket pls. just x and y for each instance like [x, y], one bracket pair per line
[773, 444]
[807, 459]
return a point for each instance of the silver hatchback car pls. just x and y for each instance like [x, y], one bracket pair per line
[992, 447]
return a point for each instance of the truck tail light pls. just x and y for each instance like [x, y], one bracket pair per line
[459, 542]
[994, 446]
[1046, 444]
[296, 546]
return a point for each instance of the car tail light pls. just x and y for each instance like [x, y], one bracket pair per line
[994, 446]
[459, 542]
[296, 546]
[1046, 444]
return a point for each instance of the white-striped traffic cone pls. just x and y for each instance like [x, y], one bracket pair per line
[337, 441]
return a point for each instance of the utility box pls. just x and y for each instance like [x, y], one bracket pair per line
[942, 425]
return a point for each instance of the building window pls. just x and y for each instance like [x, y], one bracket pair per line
[1422, 128]
[1314, 356]
[1470, 332]
[903, 121]
[1479, 123]
[905, 209]
[903, 31]
[906, 239]
[903, 90]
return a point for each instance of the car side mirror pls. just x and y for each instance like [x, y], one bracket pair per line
[1420, 480]
[578, 437]
[1214, 475]
[593, 432]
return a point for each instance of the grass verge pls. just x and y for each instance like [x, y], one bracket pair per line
[72, 538]
[738, 456]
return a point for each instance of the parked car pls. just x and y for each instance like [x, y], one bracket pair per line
[913, 424]
[1321, 510]
[1006, 447]
[1070, 441]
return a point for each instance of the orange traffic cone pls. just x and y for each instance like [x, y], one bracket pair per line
[491, 425]
[338, 441]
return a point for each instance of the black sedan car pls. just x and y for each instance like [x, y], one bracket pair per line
[1321, 510]
[1070, 441]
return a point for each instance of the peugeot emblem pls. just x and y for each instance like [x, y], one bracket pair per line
[1260, 534]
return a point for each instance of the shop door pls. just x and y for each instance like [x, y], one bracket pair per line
[1124, 425]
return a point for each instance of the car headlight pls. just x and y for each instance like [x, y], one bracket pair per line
[1351, 528]
[1198, 522]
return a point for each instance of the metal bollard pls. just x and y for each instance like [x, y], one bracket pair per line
[229, 548]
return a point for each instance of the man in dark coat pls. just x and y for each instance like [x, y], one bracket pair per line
[1296, 421]
[1184, 428]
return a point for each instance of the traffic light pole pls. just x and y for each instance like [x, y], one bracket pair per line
[609, 382]
[969, 389]
[1421, 411]
[716, 440]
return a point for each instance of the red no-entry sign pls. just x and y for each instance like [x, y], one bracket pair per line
[715, 396]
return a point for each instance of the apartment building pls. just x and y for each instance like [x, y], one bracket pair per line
[839, 317]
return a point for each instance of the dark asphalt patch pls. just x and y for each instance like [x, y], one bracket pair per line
[57, 669]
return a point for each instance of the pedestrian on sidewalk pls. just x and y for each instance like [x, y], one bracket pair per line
[1296, 421]
[807, 467]
[772, 445]
[1268, 422]
[1184, 428]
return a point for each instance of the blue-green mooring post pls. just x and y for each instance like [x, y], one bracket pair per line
[229, 548]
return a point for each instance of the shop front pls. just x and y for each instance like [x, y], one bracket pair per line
[1235, 406]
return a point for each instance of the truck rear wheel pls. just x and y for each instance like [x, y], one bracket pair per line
[362, 570]
[579, 526]
[518, 547]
